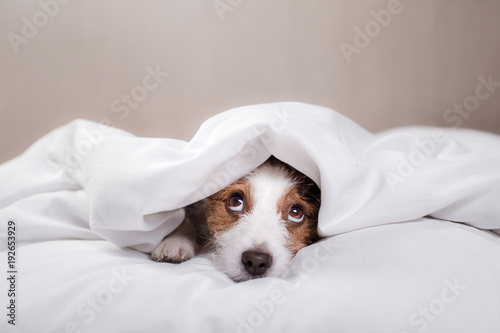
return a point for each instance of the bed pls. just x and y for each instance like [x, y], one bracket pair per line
[410, 222]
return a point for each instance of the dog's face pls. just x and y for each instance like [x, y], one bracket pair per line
[259, 222]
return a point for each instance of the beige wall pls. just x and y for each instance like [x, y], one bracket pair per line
[87, 54]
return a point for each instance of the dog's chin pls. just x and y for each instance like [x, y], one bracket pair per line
[241, 275]
[233, 267]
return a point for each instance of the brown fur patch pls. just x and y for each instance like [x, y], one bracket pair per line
[219, 217]
[305, 194]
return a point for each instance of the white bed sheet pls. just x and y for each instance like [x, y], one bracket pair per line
[422, 276]
[84, 230]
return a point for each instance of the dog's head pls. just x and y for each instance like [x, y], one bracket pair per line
[259, 222]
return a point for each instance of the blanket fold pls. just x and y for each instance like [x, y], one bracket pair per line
[135, 188]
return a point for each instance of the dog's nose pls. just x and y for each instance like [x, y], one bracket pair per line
[255, 262]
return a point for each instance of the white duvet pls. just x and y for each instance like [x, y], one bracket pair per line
[89, 202]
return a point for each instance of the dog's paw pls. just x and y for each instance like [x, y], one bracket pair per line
[174, 250]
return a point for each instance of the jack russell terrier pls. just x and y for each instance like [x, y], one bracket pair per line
[254, 226]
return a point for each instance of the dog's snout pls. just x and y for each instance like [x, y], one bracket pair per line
[256, 262]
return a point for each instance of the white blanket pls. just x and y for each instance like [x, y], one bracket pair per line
[84, 192]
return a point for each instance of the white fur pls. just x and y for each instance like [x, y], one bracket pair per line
[260, 229]
[177, 248]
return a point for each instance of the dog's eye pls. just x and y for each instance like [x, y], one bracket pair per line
[235, 203]
[296, 214]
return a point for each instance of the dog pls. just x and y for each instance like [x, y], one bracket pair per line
[253, 227]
